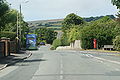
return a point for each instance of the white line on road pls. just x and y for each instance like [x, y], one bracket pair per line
[61, 66]
[107, 60]
[103, 59]
[61, 69]
[117, 69]
[61, 72]
[61, 77]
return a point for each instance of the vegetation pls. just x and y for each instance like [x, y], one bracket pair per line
[117, 3]
[8, 23]
[96, 18]
[116, 43]
[70, 20]
[4, 8]
[54, 24]
[104, 30]
[45, 35]
[56, 43]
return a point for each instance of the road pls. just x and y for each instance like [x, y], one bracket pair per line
[45, 64]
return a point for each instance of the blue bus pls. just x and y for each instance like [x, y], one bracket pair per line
[31, 42]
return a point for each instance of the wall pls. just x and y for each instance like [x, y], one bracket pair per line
[75, 45]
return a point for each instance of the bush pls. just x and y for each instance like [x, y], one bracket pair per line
[6, 34]
[56, 43]
[64, 40]
[52, 48]
[116, 43]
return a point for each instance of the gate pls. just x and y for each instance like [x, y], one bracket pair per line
[2, 49]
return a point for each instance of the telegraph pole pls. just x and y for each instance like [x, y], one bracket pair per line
[20, 17]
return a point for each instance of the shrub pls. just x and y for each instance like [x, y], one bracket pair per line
[6, 34]
[56, 43]
[116, 43]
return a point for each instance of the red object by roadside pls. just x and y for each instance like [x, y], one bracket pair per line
[95, 43]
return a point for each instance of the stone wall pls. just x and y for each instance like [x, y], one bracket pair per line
[75, 45]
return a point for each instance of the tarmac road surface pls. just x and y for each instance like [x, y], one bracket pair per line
[45, 64]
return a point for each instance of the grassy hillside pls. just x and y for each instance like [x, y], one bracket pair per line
[56, 24]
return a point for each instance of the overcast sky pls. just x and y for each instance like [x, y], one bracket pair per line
[58, 9]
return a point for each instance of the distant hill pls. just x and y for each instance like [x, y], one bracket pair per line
[44, 22]
[98, 17]
[56, 24]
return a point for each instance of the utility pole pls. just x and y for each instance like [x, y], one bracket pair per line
[20, 17]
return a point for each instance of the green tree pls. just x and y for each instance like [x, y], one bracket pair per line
[46, 35]
[56, 43]
[116, 43]
[102, 30]
[4, 8]
[71, 19]
[117, 3]
[64, 40]
[9, 21]
[74, 33]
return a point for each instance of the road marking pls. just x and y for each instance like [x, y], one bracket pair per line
[61, 77]
[61, 69]
[117, 69]
[102, 59]
[87, 55]
[61, 72]
[61, 66]
[116, 62]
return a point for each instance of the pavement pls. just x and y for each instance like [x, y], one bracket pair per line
[13, 58]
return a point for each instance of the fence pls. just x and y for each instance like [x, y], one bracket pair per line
[13, 47]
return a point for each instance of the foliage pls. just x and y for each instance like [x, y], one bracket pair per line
[117, 3]
[7, 34]
[71, 19]
[10, 20]
[102, 30]
[74, 33]
[89, 19]
[116, 43]
[70, 28]
[56, 43]
[50, 36]
[44, 34]
[4, 8]
[64, 40]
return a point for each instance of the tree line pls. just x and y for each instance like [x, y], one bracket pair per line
[106, 30]
[8, 21]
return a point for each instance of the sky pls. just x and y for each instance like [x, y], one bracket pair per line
[59, 9]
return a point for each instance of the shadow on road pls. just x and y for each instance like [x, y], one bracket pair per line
[28, 62]
[35, 60]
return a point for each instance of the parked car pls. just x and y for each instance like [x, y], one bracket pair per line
[42, 43]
